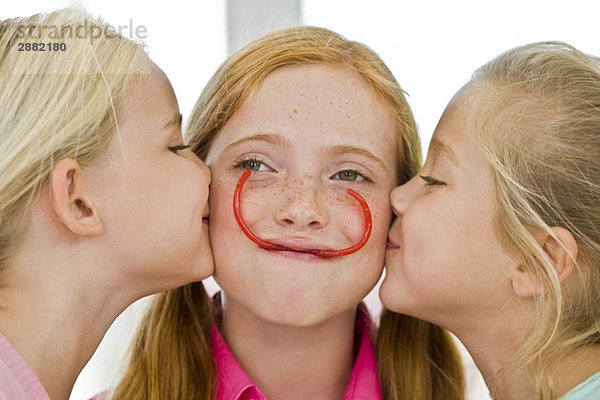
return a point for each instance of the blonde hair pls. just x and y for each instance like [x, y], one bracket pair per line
[54, 104]
[171, 357]
[536, 112]
[230, 86]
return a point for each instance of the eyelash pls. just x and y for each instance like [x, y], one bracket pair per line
[175, 149]
[240, 164]
[430, 181]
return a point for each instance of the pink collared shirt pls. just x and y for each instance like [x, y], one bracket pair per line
[17, 379]
[234, 383]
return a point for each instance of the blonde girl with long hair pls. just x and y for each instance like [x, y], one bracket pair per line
[498, 237]
[101, 201]
[310, 114]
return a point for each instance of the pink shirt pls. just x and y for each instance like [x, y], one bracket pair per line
[234, 384]
[17, 379]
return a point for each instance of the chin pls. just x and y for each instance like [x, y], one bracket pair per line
[203, 271]
[289, 307]
[297, 316]
[197, 269]
[390, 296]
[204, 263]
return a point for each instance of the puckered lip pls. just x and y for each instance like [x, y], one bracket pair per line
[391, 244]
[297, 244]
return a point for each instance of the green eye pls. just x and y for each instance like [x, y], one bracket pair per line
[251, 165]
[348, 175]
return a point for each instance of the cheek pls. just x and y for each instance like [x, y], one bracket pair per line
[230, 245]
[421, 236]
[450, 251]
[349, 218]
[157, 207]
[221, 210]
[437, 241]
[381, 213]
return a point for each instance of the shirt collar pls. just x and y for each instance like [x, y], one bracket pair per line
[17, 379]
[233, 380]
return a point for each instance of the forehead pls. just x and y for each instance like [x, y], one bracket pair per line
[149, 96]
[316, 105]
[456, 140]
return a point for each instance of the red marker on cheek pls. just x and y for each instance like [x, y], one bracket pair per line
[318, 252]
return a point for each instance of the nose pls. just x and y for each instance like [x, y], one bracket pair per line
[302, 206]
[401, 196]
[205, 169]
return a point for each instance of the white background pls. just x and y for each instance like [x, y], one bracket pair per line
[431, 47]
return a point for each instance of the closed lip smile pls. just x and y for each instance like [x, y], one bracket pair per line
[299, 245]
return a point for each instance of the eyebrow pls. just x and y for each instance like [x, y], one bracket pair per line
[271, 138]
[175, 121]
[443, 150]
[279, 140]
[348, 149]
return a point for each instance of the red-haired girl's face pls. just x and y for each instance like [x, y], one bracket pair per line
[308, 133]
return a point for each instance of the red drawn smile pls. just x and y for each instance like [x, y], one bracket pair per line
[326, 253]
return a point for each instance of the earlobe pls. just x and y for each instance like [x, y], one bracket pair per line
[69, 201]
[561, 248]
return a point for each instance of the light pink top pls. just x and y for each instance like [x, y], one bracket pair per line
[234, 383]
[17, 379]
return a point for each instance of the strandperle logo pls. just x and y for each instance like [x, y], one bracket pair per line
[83, 31]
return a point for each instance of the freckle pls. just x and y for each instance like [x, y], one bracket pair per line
[348, 117]
[331, 102]
[290, 116]
[339, 98]
[295, 111]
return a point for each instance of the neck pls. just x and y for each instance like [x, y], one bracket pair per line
[290, 362]
[54, 322]
[492, 344]
[492, 338]
[492, 349]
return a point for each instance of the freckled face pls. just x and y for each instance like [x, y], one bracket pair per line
[309, 133]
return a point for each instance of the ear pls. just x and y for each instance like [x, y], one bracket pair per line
[72, 208]
[562, 249]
